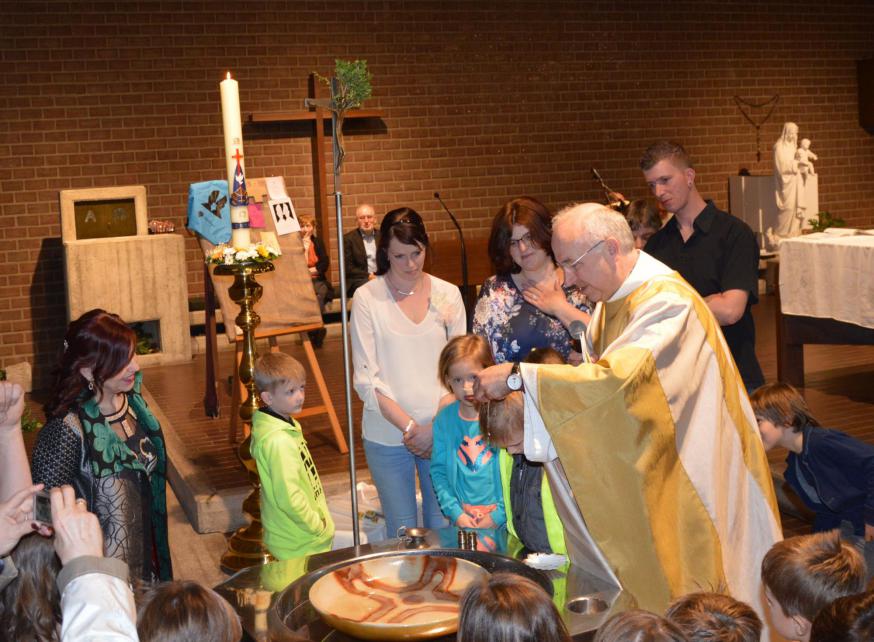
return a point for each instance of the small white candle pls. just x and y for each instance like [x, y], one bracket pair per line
[233, 130]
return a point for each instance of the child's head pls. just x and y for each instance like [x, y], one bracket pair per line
[805, 143]
[847, 619]
[509, 608]
[502, 422]
[460, 361]
[185, 610]
[639, 626]
[644, 221]
[804, 574]
[280, 380]
[704, 617]
[778, 406]
[545, 355]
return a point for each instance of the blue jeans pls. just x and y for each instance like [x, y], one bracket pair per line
[393, 469]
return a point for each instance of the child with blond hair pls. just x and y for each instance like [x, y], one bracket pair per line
[294, 510]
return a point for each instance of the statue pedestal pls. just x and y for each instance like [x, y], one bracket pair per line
[808, 198]
[747, 195]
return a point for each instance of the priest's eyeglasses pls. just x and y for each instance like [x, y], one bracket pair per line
[572, 264]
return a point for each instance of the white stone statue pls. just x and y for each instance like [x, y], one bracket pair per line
[805, 158]
[795, 186]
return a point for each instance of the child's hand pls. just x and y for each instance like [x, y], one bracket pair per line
[486, 521]
[11, 405]
[466, 521]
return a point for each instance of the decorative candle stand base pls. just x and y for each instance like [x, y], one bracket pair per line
[246, 546]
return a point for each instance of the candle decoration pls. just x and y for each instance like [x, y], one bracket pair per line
[236, 168]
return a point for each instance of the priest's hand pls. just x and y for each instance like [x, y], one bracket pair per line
[491, 383]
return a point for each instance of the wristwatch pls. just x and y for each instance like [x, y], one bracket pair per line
[514, 379]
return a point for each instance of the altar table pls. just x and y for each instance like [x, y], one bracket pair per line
[826, 291]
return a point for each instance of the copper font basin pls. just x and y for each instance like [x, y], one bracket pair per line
[395, 597]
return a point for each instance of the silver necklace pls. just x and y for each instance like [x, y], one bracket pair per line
[398, 290]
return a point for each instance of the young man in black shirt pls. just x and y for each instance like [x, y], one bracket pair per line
[714, 251]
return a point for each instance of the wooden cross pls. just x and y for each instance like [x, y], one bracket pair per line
[321, 120]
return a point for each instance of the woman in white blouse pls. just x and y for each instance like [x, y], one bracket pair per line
[400, 322]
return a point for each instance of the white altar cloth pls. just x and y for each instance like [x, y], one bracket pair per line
[828, 276]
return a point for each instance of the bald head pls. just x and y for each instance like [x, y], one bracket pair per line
[594, 245]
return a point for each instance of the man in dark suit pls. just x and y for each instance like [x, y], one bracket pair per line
[359, 250]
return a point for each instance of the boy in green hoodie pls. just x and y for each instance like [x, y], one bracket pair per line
[294, 510]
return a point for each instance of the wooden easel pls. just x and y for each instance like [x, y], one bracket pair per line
[326, 407]
[287, 307]
[237, 388]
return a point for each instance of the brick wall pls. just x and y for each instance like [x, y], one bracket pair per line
[481, 100]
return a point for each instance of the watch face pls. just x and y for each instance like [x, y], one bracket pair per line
[514, 381]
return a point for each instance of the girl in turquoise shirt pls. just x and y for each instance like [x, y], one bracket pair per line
[464, 467]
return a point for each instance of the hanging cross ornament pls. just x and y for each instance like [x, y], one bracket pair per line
[350, 87]
[771, 103]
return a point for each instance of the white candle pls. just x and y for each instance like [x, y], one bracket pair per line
[233, 129]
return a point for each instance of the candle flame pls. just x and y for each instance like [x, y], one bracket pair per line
[229, 75]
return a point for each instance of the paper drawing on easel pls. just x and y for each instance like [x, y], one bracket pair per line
[284, 216]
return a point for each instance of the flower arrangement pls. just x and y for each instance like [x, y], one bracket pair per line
[228, 255]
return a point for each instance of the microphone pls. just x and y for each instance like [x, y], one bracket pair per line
[577, 330]
[448, 211]
[465, 286]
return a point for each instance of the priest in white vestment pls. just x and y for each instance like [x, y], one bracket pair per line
[655, 433]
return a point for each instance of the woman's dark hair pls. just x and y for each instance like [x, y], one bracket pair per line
[505, 607]
[185, 610]
[640, 214]
[403, 224]
[98, 340]
[30, 606]
[526, 211]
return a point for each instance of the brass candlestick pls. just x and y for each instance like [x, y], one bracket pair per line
[246, 546]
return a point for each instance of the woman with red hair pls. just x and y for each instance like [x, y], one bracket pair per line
[102, 439]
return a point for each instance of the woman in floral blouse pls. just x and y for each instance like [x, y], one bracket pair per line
[400, 322]
[102, 439]
[525, 306]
